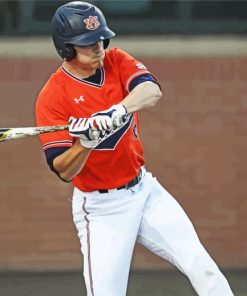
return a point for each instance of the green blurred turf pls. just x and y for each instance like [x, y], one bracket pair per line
[168, 283]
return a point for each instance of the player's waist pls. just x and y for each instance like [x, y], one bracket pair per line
[102, 187]
[130, 184]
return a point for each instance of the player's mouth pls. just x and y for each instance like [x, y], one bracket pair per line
[99, 58]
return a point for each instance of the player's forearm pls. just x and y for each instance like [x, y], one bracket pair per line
[71, 162]
[143, 96]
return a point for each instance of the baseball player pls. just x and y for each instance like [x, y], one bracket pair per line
[116, 202]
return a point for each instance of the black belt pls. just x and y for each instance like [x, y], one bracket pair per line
[132, 183]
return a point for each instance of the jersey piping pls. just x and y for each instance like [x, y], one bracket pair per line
[131, 78]
[98, 85]
[57, 144]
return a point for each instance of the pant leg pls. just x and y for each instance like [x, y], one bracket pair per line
[107, 226]
[167, 231]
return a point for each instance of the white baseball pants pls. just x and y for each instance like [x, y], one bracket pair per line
[109, 225]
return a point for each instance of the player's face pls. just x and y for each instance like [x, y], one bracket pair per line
[90, 57]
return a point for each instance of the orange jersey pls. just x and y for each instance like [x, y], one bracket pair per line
[116, 160]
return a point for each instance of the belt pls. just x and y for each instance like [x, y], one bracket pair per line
[132, 183]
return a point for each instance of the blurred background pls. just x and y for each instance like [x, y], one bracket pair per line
[195, 141]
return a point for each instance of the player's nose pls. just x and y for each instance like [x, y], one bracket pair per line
[97, 47]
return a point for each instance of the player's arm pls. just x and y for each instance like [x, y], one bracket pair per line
[68, 164]
[89, 132]
[143, 96]
[144, 92]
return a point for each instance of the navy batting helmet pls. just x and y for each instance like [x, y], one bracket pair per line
[78, 23]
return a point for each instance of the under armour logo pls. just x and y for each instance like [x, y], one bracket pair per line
[92, 23]
[78, 100]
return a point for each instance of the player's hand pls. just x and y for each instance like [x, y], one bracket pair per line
[102, 122]
[90, 131]
[117, 115]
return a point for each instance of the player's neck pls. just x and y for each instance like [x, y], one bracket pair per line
[77, 71]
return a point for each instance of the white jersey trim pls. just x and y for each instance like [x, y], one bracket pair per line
[134, 76]
[57, 144]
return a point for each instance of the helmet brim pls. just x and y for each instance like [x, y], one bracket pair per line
[92, 37]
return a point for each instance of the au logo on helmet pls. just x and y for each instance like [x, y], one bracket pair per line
[92, 23]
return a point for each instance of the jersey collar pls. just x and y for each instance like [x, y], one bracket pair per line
[96, 80]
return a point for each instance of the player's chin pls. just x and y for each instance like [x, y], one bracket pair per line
[98, 64]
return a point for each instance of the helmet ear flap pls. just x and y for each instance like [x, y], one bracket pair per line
[106, 43]
[71, 52]
[68, 53]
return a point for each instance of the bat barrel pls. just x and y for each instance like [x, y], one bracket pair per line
[22, 132]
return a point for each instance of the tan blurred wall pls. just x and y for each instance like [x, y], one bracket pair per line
[195, 143]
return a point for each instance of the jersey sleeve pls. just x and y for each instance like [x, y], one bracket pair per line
[129, 68]
[142, 78]
[51, 110]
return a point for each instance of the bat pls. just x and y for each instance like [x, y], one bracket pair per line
[14, 133]
[7, 134]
